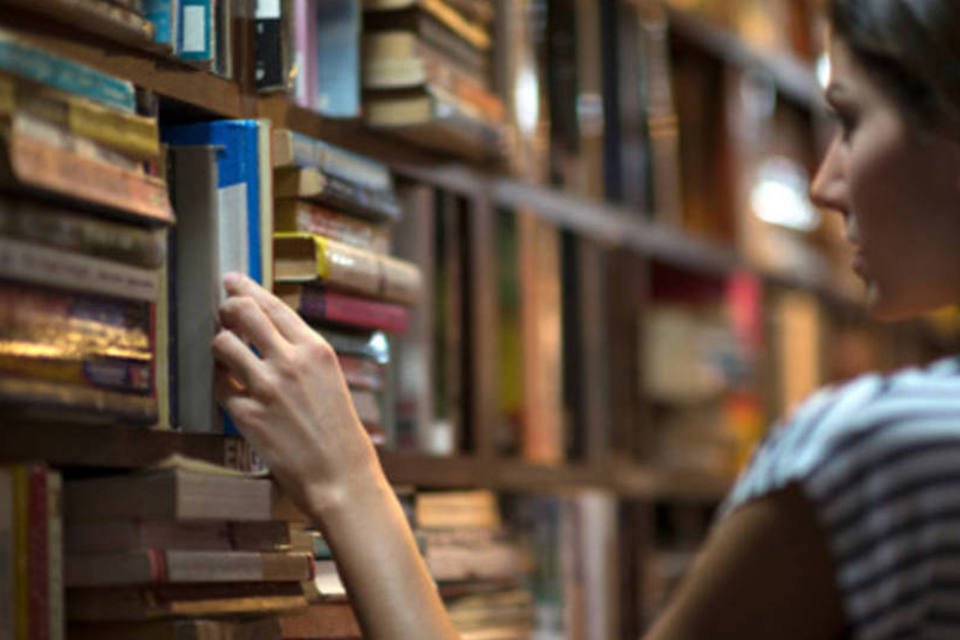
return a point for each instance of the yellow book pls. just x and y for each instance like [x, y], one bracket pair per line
[304, 257]
[133, 135]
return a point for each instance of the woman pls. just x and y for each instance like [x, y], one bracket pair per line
[847, 521]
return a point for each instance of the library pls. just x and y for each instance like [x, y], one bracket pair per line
[548, 271]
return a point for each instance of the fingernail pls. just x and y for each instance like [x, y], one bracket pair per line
[232, 278]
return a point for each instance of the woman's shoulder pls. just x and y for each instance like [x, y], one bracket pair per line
[866, 422]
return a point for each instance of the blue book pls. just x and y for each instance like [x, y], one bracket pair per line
[195, 39]
[238, 175]
[338, 58]
[21, 58]
[161, 14]
[243, 190]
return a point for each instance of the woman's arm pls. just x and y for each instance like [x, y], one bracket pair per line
[765, 572]
[292, 404]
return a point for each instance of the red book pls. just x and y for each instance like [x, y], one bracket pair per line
[361, 373]
[324, 305]
[37, 568]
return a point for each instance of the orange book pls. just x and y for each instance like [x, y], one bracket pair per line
[324, 620]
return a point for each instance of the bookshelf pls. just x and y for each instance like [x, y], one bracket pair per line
[624, 245]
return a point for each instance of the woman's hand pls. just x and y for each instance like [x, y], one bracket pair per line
[290, 401]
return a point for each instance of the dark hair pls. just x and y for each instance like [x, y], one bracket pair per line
[912, 49]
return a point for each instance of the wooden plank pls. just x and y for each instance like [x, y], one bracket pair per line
[437, 472]
[792, 77]
[109, 446]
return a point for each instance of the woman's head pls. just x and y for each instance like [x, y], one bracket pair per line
[893, 169]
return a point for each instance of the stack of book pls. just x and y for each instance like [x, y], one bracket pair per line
[332, 264]
[479, 569]
[426, 74]
[81, 241]
[163, 551]
[200, 32]
[31, 562]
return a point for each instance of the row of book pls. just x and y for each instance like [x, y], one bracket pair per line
[102, 321]
[419, 69]
[190, 550]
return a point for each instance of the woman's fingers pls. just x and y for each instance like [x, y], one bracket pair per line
[245, 318]
[290, 325]
[239, 361]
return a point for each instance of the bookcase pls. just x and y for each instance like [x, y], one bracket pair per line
[600, 316]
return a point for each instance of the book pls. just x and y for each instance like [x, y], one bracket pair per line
[457, 509]
[296, 215]
[337, 58]
[42, 400]
[325, 585]
[42, 265]
[322, 620]
[46, 321]
[183, 629]
[76, 232]
[31, 164]
[361, 373]
[303, 18]
[327, 305]
[128, 535]
[165, 16]
[128, 133]
[175, 566]
[270, 67]
[303, 257]
[21, 57]
[117, 604]
[101, 17]
[410, 14]
[368, 345]
[424, 67]
[292, 149]
[313, 184]
[31, 586]
[240, 182]
[173, 494]
[116, 374]
[436, 120]
[197, 31]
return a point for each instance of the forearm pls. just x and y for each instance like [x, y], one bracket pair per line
[391, 590]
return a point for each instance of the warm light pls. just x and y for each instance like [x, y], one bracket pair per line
[527, 101]
[823, 70]
[780, 196]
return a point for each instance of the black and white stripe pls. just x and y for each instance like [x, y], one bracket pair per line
[880, 459]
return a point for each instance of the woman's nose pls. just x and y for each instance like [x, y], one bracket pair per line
[828, 188]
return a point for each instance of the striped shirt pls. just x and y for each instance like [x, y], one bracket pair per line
[879, 458]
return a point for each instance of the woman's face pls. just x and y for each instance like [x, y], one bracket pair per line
[898, 190]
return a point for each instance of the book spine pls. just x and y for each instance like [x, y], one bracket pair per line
[49, 399]
[380, 205]
[37, 561]
[338, 308]
[118, 20]
[360, 373]
[291, 148]
[196, 30]
[29, 262]
[43, 166]
[160, 13]
[72, 323]
[337, 57]
[292, 215]
[55, 593]
[34, 63]
[102, 373]
[270, 72]
[127, 133]
[8, 556]
[21, 547]
[69, 231]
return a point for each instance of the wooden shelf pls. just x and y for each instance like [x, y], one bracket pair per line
[147, 67]
[792, 77]
[123, 447]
